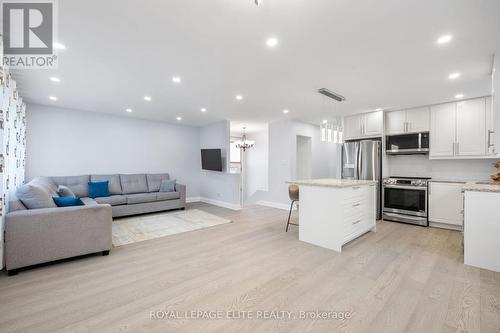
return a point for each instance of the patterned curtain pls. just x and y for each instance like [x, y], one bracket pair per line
[12, 142]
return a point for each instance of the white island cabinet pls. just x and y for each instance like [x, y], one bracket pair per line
[333, 212]
[482, 226]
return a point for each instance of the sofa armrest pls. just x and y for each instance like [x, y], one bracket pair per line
[181, 188]
[40, 235]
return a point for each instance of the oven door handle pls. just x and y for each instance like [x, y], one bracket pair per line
[415, 188]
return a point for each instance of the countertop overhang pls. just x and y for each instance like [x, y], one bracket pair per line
[481, 187]
[332, 182]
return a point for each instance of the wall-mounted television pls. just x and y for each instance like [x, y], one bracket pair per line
[211, 159]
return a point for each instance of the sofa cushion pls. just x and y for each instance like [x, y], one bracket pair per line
[141, 198]
[113, 200]
[154, 181]
[68, 201]
[46, 183]
[65, 191]
[134, 183]
[115, 187]
[162, 196]
[99, 189]
[89, 201]
[35, 196]
[77, 184]
[167, 185]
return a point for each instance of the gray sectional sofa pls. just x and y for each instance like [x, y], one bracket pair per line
[46, 232]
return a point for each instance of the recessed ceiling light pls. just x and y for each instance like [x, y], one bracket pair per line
[128, 110]
[459, 96]
[179, 118]
[272, 42]
[53, 98]
[378, 109]
[453, 76]
[59, 46]
[444, 39]
[176, 79]
[285, 111]
[55, 79]
[325, 121]
[239, 97]
[203, 110]
[147, 98]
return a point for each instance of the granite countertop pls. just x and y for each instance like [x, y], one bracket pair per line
[332, 182]
[481, 187]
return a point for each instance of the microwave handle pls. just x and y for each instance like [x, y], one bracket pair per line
[420, 140]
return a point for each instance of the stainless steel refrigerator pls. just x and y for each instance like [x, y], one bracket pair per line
[363, 160]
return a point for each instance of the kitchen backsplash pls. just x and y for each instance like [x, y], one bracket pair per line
[421, 166]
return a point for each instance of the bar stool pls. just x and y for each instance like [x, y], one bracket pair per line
[293, 193]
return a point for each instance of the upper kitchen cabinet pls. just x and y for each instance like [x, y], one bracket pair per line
[460, 130]
[363, 125]
[407, 121]
[442, 133]
[417, 120]
[471, 128]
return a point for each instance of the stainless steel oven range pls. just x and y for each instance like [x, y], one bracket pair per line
[405, 200]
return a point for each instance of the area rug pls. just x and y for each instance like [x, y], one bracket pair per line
[135, 229]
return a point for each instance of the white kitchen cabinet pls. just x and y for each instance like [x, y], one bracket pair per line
[352, 127]
[395, 122]
[442, 131]
[373, 123]
[417, 120]
[490, 127]
[363, 125]
[407, 121]
[459, 130]
[471, 128]
[446, 204]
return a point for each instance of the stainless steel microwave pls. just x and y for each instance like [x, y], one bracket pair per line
[406, 144]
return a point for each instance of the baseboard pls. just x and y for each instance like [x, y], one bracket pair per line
[193, 199]
[219, 203]
[445, 226]
[275, 205]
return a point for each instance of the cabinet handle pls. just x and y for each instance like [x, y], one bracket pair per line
[356, 222]
[356, 187]
[356, 205]
[458, 148]
[489, 138]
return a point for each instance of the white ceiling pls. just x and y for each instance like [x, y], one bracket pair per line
[377, 53]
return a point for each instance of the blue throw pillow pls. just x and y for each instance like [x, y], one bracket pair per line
[67, 201]
[99, 189]
[167, 185]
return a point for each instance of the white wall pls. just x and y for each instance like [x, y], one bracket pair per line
[68, 142]
[283, 158]
[219, 187]
[421, 166]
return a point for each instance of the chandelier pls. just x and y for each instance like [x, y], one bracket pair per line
[331, 130]
[244, 144]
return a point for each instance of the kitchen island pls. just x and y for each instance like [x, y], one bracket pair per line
[333, 212]
[482, 226]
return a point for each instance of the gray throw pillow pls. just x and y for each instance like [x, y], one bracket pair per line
[167, 185]
[34, 196]
[65, 191]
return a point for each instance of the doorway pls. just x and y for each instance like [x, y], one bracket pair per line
[304, 157]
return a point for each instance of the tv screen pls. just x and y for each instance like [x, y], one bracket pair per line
[211, 159]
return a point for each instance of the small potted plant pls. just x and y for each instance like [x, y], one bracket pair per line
[496, 177]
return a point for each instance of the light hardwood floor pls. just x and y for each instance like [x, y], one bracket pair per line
[402, 278]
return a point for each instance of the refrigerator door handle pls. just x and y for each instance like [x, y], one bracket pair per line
[360, 165]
